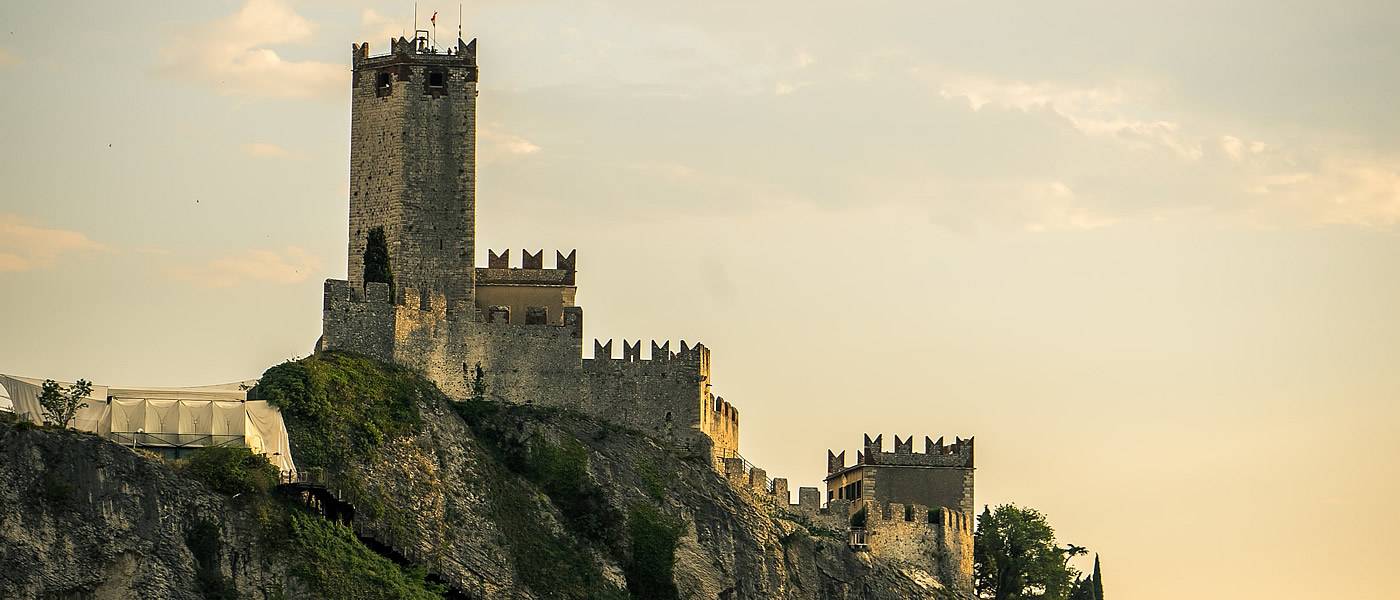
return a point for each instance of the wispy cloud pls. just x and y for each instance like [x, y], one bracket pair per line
[234, 55]
[292, 265]
[1094, 110]
[1267, 184]
[7, 58]
[26, 247]
[498, 144]
[264, 150]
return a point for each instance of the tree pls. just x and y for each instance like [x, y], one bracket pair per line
[1083, 589]
[377, 258]
[478, 383]
[1098, 580]
[61, 404]
[1016, 557]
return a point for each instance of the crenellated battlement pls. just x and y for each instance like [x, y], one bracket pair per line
[660, 354]
[340, 295]
[402, 48]
[935, 454]
[530, 271]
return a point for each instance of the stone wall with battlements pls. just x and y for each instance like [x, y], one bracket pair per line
[667, 393]
[942, 475]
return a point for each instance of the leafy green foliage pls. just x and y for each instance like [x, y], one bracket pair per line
[61, 404]
[328, 557]
[1016, 557]
[1091, 587]
[339, 407]
[377, 258]
[232, 470]
[651, 569]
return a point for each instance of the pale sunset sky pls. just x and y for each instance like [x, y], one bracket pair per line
[1148, 253]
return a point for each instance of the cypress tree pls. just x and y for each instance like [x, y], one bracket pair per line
[1098, 580]
[377, 259]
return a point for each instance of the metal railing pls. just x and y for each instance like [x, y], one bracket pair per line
[722, 454]
[177, 440]
[315, 476]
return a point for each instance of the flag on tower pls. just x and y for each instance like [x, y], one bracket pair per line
[434, 18]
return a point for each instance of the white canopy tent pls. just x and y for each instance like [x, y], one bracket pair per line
[195, 417]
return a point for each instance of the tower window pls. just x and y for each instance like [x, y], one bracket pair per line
[436, 79]
[383, 83]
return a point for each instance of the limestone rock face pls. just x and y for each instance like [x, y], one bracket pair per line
[501, 502]
[81, 517]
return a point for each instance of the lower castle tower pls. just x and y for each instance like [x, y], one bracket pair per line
[415, 297]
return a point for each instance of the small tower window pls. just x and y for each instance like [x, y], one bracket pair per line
[436, 79]
[383, 83]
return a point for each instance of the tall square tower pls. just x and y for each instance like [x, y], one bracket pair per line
[413, 165]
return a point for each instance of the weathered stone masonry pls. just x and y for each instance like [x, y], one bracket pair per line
[412, 173]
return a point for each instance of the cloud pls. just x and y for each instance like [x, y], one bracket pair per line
[233, 55]
[1357, 192]
[378, 29]
[7, 58]
[264, 150]
[1266, 184]
[26, 247]
[292, 265]
[498, 144]
[1094, 111]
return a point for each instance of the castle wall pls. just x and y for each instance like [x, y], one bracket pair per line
[663, 395]
[356, 320]
[940, 476]
[939, 541]
[528, 364]
[933, 486]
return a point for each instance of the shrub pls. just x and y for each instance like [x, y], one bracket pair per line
[328, 556]
[654, 536]
[340, 407]
[232, 470]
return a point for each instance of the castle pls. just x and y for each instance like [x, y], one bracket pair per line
[413, 186]
[512, 333]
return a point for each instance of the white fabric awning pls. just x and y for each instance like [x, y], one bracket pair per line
[170, 417]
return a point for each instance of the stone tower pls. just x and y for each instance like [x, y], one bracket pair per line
[413, 164]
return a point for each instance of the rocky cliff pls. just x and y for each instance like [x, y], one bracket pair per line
[463, 500]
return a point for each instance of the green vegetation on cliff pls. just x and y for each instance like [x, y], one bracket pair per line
[329, 558]
[340, 407]
[232, 470]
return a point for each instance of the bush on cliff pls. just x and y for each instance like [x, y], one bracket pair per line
[329, 558]
[232, 470]
[339, 407]
[650, 569]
